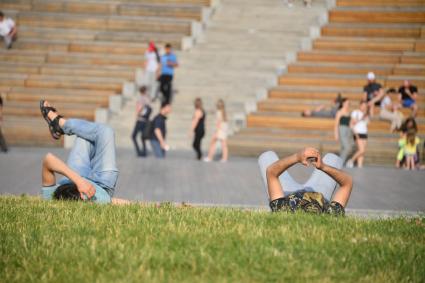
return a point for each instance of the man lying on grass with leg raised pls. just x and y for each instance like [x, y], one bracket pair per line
[91, 172]
[313, 196]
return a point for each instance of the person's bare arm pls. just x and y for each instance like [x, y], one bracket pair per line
[52, 165]
[276, 169]
[336, 125]
[344, 180]
[161, 140]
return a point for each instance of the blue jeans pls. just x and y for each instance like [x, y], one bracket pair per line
[93, 154]
[157, 150]
[319, 181]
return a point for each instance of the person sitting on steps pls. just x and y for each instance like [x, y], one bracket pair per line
[317, 194]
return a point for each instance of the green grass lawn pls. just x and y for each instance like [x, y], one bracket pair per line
[77, 242]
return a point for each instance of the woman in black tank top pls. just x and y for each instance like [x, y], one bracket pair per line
[198, 127]
[342, 132]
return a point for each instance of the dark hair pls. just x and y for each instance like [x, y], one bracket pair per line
[404, 126]
[1, 14]
[342, 101]
[411, 136]
[67, 192]
[164, 104]
[168, 45]
[198, 103]
[142, 89]
[391, 90]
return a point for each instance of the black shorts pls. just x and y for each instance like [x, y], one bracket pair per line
[361, 136]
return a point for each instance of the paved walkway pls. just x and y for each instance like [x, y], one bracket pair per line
[180, 178]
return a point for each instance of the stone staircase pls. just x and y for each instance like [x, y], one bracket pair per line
[236, 57]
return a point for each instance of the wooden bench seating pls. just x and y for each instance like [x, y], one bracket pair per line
[274, 105]
[186, 11]
[99, 98]
[87, 35]
[27, 131]
[113, 23]
[266, 119]
[94, 59]
[361, 57]
[383, 15]
[344, 81]
[356, 69]
[367, 44]
[327, 93]
[374, 30]
[380, 3]
[82, 111]
[67, 70]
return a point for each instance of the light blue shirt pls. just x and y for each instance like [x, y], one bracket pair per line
[168, 58]
[101, 196]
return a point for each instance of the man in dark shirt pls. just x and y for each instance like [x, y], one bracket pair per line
[408, 95]
[373, 92]
[159, 146]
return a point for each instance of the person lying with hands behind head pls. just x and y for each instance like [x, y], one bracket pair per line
[319, 194]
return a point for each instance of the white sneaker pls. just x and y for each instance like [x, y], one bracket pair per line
[206, 159]
[349, 164]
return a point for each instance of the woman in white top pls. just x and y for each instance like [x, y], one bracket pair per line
[389, 111]
[220, 133]
[359, 121]
[151, 69]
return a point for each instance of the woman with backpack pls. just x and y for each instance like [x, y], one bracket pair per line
[143, 112]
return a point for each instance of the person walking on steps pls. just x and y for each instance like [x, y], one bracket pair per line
[168, 64]
[198, 127]
[143, 112]
[220, 133]
[342, 131]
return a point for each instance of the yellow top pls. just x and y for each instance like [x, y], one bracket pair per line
[408, 148]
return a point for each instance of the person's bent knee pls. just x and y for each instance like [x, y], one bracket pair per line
[267, 154]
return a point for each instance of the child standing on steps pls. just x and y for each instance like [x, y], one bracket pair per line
[408, 148]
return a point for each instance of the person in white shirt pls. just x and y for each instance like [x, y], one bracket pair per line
[8, 30]
[151, 67]
[359, 121]
[389, 111]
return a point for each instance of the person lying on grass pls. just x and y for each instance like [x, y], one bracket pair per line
[90, 172]
[317, 194]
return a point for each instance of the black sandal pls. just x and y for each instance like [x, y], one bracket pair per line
[54, 128]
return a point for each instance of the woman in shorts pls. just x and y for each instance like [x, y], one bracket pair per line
[359, 121]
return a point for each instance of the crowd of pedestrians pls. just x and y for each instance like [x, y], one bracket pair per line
[158, 85]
